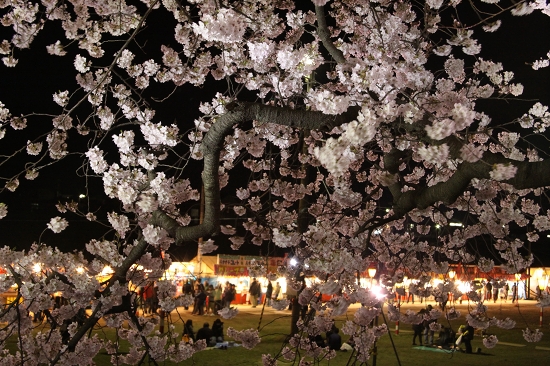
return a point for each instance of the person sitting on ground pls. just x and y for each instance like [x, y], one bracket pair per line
[188, 332]
[446, 337]
[334, 340]
[217, 330]
[206, 333]
[465, 335]
[318, 340]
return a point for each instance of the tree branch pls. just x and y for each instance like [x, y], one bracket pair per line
[324, 35]
[212, 145]
[528, 175]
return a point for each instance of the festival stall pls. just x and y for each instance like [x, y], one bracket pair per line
[235, 269]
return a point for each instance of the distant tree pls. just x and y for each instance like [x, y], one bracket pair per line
[363, 128]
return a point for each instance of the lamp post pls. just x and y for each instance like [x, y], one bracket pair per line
[380, 294]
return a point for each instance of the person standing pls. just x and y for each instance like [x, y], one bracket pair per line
[408, 295]
[428, 332]
[229, 295]
[225, 291]
[200, 300]
[418, 329]
[254, 291]
[199, 288]
[268, 293]
[148, 297]
[218, 298]
[188, 290]
[488, 291]
[495, 293]
[514, 293]
[505, 290]
[211, 306]
[276, 291]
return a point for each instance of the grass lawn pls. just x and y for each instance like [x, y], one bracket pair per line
[512, 349]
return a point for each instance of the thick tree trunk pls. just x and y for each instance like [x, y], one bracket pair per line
[303, 224]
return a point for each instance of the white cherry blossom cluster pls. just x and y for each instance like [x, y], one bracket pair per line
[106, 250]
[119, 222]
[286, 239]
[249, 337]
[490, 341]
[327, 102]
[228, 313]
[541, 63]
[452, 314]
[363, 316]
[227, 26]
[57, 224]
[158, 135]
[3, 210]
[503, 172]
[207, 246]
[280, 304]
[434, 154]
[532, 336]
[156, 235]
[505, 323]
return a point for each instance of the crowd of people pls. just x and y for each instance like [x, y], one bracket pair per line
[447, 338]
[211, 335]
[492, 292]
[208, 300]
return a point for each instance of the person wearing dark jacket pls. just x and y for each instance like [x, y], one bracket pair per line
[188, 290]
[188, 331]
[428, 332]
[255, 291]
[334, 340]
[418, 329]
[206, 333]
[229, 295]
[200, 301]
[217, 330]
[467, 333]
[268, 293]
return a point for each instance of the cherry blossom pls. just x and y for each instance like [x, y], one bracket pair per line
[343, 132]
[532, 336]
[280, 304]
[228, 313]
[57, 224]
[249, 338]
[3, 210]
[490, 341]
